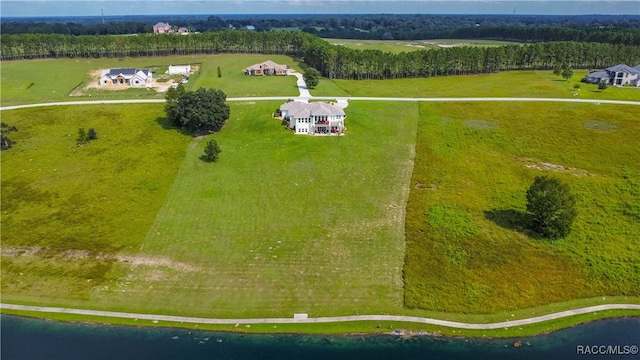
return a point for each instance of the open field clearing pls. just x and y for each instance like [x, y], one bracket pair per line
[503, 84]
[63, 205]
[398, 46]
[280, 224]
[32, 81]
[468, 249]
[467, 42]
[392, 46]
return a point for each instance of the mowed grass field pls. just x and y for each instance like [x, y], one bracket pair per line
[468, 249]
[280, 224]
[536, 84]
[398, 46]
[35, 81]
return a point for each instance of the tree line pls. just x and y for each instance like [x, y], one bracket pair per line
[530, 28]
[344, 63]
[332, 61]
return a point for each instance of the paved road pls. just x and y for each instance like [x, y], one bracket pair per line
[305, 320]
[339, 98]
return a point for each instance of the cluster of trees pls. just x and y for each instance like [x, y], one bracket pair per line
[332, 61]
[198, 112]
[86, 136]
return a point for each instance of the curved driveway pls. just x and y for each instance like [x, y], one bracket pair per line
[305, 320]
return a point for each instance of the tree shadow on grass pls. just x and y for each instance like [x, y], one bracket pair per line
[165, 123]
[513, 220]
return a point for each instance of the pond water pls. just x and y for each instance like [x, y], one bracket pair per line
[26, 338]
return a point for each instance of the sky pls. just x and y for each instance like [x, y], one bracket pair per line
[23, 8]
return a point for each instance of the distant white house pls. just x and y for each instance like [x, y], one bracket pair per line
[130, 77]
[179, 70]
[267, 68]
[316, 118]
[616, 75]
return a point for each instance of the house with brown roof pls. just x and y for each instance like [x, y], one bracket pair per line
[267, 68]
[618, 75]
[316, 118]
[162, 28]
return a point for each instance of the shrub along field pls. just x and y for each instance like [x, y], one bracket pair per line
[35, 81]
[468, 247]
[279, 224]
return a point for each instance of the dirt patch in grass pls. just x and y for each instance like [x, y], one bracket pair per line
[481, 124]
[600, 125]
[545, 166]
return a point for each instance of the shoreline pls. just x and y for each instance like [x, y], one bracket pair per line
[405, 327]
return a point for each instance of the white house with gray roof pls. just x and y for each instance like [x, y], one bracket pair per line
[130, 77]
[316, 118]
[618, 75]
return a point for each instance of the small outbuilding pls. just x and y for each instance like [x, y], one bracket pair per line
[179, 70]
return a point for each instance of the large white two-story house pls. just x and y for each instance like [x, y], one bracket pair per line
[130, 77]
[316, 118]
[616, 75]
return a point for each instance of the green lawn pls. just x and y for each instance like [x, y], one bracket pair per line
[467, 247]
[280, 224]
[503, 84]
[34, 81]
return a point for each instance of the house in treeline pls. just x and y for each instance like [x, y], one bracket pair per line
[162, 28]
[618, 75]
[179, 70]
[183, 31]
[267, 68]
[316, 118]
[130, 77]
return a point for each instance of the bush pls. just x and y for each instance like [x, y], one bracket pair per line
[86, 136]
[603, 86]
[576, 86]
[211, 151]
[91, 134]
[5, 141]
